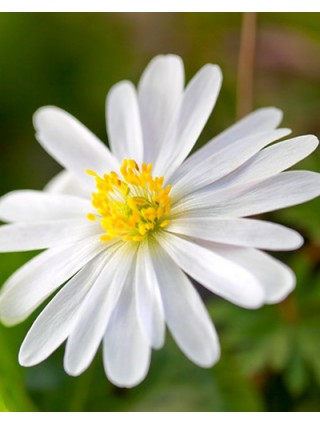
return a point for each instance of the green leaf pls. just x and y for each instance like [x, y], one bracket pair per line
[12, 389]
[3, 407]
[295, 375]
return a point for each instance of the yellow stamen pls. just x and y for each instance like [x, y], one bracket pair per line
[130, 205]
[91, 173]
[91, 217]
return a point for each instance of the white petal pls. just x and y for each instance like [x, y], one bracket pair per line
[126, 351]
[25, 290]
[259, 121]
[238, 231]
[280, 191]
[160, 91]
[277, 279]
[123, 122]
[269, 162]
[32, 205]
[45, 234]
[56, 321]
[215, 167]
[149, 305]
[216, 273]
[185, 312]
[72, 144]
[65, 183]
[196, 106]
[96, 310]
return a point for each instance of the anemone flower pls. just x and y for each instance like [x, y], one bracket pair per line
[124, 228]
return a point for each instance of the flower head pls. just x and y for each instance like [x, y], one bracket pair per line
[123, 228]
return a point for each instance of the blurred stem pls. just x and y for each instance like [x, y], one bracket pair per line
[83, 386]
[246, 63]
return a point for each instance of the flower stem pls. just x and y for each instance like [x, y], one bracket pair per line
[246, 63]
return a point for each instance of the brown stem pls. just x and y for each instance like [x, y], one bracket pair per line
[289, 310]
[246, 63]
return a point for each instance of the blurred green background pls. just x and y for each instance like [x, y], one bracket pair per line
[270, 357]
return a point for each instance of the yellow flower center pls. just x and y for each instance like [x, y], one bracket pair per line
[132, 205]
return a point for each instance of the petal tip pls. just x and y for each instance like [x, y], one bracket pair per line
[41, 113]
[166, 58]
[23, 358]
[71, 370]
[299, 240]
[208, 359]
[271, 111]
[127, 383]
[215, 70]
[313, 141]
[287, 283]
[9, 322]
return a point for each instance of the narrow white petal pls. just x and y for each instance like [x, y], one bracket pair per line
[218, 165]
[126, 350]
[238, 231]
[123, 122]
[149, 305]
[196, 106]
[25, 290]
[280, 191]
[160, 91]
[259, 121]
[65, 183]
[56, 321]
[216, 273]
[269, 162]
[72, 144]
[45, 234]
[32, 206]
[96, 310]
[277, 279]
[185, 312]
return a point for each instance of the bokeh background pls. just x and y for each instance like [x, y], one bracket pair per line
[270, 357]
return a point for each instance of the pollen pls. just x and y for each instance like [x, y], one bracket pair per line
[130, 205]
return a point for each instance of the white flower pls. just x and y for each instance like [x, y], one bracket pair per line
[125, 251]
